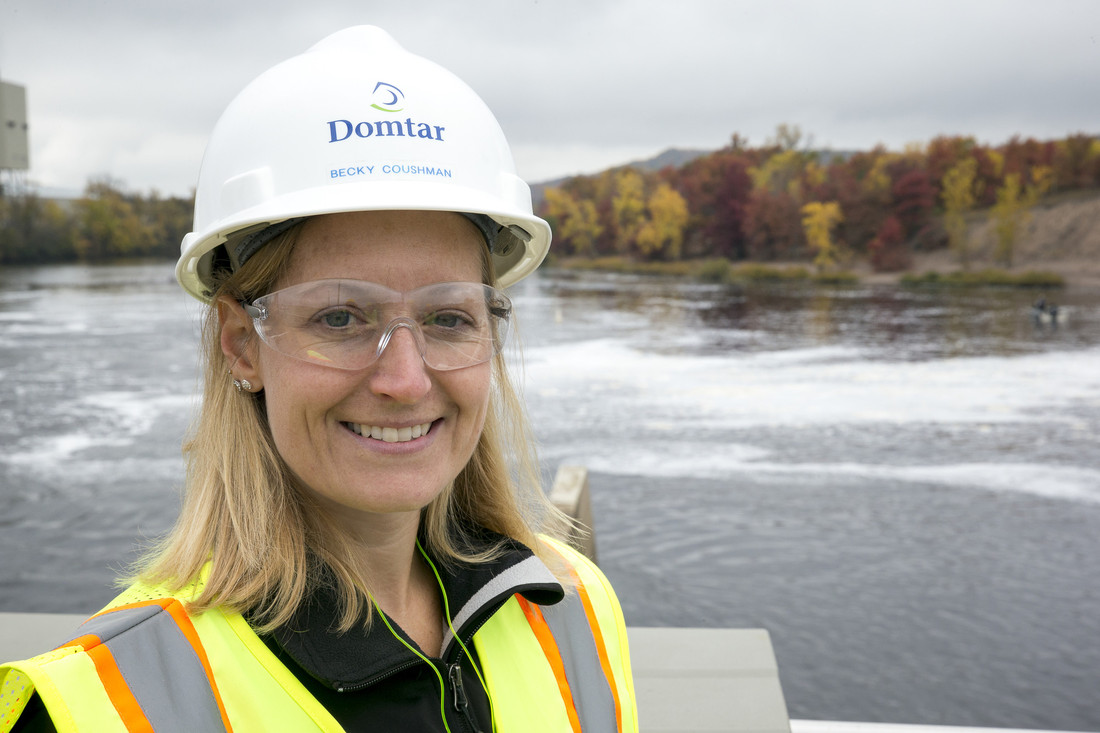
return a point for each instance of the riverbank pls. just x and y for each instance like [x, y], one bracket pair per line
[1062, 239]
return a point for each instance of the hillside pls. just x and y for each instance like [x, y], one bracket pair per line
[674, 157]
[1062, 237]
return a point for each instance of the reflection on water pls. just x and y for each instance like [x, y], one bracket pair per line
[896, 323]
[902, 486]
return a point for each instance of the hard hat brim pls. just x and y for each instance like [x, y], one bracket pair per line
[194, 270]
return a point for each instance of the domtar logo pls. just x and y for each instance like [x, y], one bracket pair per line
[387, 97]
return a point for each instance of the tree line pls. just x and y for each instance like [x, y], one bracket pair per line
[104, 224]
[780, 201]
[784, 202]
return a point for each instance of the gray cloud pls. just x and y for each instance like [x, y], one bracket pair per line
[131, 89]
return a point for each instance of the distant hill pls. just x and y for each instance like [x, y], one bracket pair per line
[674, 157]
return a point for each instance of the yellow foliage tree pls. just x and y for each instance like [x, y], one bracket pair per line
[779, 172]
[628, 208]
[663, 230]
[818, 220]
[958, 198]
[877, 182]
[577, 223]
[1012, 212]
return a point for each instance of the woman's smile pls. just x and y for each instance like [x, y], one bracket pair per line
[389, 434]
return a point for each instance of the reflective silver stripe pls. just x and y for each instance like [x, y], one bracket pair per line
[589, 686]
[530, 570]
[161, 668]
[108, 625]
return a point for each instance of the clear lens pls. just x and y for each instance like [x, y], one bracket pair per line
[347, 324]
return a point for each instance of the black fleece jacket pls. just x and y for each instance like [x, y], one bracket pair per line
[371, 681]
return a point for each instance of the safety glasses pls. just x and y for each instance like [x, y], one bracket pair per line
[347, 324]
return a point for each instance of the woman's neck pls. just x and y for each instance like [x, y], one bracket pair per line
[402, 584]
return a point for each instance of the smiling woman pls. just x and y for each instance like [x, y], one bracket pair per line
[363, 542]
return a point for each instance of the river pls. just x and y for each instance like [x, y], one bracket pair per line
[902, 486]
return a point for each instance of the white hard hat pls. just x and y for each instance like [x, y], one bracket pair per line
[356, 123]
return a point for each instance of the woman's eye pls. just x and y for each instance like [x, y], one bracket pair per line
[337, 319]
[445, 320]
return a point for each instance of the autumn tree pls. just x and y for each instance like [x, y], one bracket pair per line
[1076, 162]
[786, 137]
[716, 189]
[943, 153]
[773, 230]
[663, 229]
[887, 250]
[1012, 211]
[819, 219]
[913, 200]
[1021, 156]
[628, 207]
[781, 172]
[772, 217]
[576, 223]
[958, 199]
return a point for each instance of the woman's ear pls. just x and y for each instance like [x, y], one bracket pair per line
[238, 342]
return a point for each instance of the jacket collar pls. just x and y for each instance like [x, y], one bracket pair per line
[355, 659]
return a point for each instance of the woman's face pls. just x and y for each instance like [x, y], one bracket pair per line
[312, 408]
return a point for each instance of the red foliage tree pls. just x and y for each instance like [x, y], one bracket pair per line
[1022, 155]
[988, 178]
[717, 188]
[913, 198]
[773, 226]
[888, 251]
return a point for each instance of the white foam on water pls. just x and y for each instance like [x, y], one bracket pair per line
[728, 462]
[647, 405]
[101, 420]
[830, 385]
[49, 451]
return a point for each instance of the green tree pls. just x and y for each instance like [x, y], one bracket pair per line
[107, 224]
[34, 230]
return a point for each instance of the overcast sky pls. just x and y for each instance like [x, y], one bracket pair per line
[130, 89]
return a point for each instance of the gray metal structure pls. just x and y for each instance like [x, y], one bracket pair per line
[14, 148]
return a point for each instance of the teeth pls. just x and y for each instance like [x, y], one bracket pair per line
[391, 435]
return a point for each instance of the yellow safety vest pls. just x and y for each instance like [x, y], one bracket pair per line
[145, 664]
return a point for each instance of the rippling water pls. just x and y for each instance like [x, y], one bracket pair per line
[903, 487]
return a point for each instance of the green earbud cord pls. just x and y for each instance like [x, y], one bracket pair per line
[417, 652]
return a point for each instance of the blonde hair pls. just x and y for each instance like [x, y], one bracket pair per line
[267, 544]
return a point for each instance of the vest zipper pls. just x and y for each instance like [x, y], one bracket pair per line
[376, 678]
[461, 702]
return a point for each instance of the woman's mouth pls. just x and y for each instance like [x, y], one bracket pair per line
[388, 434]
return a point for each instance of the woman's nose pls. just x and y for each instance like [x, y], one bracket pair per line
[400, 372]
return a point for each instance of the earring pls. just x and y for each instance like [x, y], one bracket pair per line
[242, 384]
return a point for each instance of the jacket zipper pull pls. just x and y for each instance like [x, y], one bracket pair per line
[462, 703]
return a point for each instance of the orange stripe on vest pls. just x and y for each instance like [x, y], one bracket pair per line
[597, 635]
[133, 717]
[179, 614]
[553, 657]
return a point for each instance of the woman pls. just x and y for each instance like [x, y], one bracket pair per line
[353, 552]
